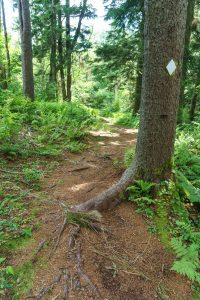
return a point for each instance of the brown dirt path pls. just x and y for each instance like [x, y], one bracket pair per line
[123, 263]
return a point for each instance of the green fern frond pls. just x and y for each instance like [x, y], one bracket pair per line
[187, 268]
[178, 247]
[188, 259]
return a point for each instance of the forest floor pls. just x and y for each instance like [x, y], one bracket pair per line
[124, 262]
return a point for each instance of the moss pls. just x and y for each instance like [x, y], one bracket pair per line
[24, 277]
[122, 196]
[18, 243]
[162, 226]
[158, 172]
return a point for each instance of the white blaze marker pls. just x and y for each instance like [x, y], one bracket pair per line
[171, 67]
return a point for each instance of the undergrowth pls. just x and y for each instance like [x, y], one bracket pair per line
[29, 134]
[174, 213]
[42, 128]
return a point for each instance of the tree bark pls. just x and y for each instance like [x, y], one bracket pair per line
[138, 88]
[164, 40]
[190, 17]
[26, 48]
[70, 45]
[195, 96]
[60, 54]
[6, 41]
[68, 51]
[53, 65]
[69, 76]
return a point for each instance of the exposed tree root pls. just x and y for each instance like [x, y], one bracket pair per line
[46, 289]
[110, 197]
[75, 254]
[59, 237]
[66, 287]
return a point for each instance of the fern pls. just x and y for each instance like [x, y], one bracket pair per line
[188, 259]
[192, 193]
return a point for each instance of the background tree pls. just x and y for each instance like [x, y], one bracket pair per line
[6, 41]
[128, 19]
[26, 48]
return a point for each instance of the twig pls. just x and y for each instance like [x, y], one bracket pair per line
[136, 274]
[79, 169]
[40, 247]
[44, 290]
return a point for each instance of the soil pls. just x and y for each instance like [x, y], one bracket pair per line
[124, 262]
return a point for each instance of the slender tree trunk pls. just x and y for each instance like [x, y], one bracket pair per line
[195, 96]
[70, 45]
[69, 76]
[6, 42]
[68, 51]
[53, 68]
[190, 17]
[3, 77]
[60, 54]
[193, 106]
[26, 48]
[164, 40]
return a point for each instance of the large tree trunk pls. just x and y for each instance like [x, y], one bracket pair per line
[26, 48]
[138, 88]
[190, 17]
[6, 41]
[164, 40]
[60, 54]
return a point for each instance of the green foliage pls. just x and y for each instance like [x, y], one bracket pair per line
[188, 259]
[129, 156]
[76, 147]
[86, 220]
[16, 279]
[140, 193]
[12, 208]
[126, 119]
[28, 129]
[141, 188]
[32, 176]
[188, 189]
[6, 277]
[187, 152]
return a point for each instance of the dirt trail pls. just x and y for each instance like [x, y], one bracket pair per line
[125, 262]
